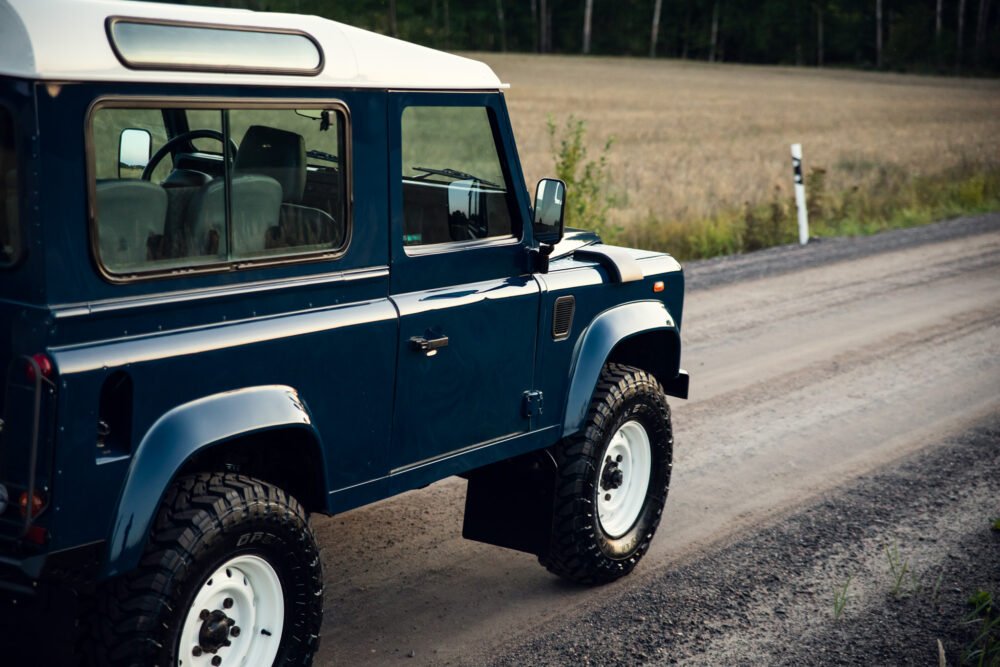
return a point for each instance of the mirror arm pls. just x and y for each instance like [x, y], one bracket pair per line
[539, 257]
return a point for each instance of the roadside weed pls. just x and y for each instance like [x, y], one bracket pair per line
[840, 598]
[984, 651]
[996, 524]
[937, 587]
[587, 181]
[899, 567]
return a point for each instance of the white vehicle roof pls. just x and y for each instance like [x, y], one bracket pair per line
[66, 40]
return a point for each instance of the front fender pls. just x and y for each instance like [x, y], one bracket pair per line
[604, 333]
[174, 438]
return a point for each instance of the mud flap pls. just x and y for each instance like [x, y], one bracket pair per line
[509, 504]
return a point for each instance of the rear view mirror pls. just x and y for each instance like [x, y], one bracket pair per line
[134, 147]
[550, 199]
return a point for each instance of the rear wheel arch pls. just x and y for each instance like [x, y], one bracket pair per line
[288, 457]
[212, 434]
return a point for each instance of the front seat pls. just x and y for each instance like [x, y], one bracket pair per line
[130, 219]
[281, 155]
[255, 203]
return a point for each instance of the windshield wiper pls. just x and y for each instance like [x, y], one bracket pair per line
[320, 155]
[453, 173]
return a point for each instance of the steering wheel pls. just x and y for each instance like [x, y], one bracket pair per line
[166, 148]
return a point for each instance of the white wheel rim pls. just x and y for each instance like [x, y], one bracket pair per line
[621, 497]
[245, 595]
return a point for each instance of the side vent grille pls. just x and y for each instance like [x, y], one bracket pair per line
[562, 317]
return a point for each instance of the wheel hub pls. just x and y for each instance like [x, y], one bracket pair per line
[612, 477]
[236, 617]
[215, 629]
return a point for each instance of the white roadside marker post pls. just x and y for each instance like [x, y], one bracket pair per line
[800, 194]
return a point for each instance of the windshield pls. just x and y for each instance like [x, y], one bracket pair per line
[10, 238]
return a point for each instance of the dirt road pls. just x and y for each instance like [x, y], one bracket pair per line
[810, 367]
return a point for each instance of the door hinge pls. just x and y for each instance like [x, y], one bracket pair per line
[533, 401]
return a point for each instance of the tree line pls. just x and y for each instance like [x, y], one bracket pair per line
[908, 35]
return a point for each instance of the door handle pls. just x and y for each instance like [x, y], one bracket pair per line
[428, 345]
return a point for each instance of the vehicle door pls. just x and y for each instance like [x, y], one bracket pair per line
[467, 303]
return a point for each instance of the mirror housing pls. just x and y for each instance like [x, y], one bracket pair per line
[134, 148]
[549, 212]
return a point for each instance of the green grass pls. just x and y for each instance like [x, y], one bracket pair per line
[984, 650]
[895, 199]
[840, 596]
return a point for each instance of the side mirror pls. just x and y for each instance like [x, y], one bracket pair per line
[134, 148]
[550, 208]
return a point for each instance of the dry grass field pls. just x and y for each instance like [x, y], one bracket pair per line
[694, 140]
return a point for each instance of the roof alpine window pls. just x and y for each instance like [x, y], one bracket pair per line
[10, 238]
[164, 45]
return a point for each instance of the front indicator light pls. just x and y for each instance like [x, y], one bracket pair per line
[658, 286]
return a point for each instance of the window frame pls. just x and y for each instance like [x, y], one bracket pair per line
[19, 251]
[227, 104]
[516, 237]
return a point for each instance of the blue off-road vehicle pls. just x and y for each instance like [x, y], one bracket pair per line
[255, 266]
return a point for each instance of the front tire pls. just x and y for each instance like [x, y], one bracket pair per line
[612, 480]
[231, 575]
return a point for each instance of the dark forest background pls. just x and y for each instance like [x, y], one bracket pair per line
[944, 36]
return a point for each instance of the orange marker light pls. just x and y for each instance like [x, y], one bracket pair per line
[658, 286]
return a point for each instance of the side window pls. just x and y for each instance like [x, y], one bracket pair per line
[278, 190]
[454, 187]
[10, 238]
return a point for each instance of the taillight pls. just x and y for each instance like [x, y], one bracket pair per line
[36, 504]
[43, 363]
[36, 535]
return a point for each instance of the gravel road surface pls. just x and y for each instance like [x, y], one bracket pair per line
[812, 368]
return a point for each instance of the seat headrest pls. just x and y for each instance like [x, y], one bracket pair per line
[276, 153]
[185, 178]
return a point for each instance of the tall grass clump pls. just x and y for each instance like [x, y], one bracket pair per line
[589, 198]
[984, 651]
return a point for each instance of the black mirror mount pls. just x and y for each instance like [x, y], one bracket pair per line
[540, 257]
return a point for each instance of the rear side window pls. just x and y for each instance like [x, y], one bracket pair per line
[454, 187]
[216, 188]
[10, 238]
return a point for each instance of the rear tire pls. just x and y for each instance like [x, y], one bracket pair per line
[612, 480]
[242, 552]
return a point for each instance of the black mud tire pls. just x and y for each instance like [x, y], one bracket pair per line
[205, 520]
[580, 549]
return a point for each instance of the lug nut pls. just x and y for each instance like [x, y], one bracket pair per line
[607, 496]
[216, 661]
[235, 632]
[196, 651]
[227, 603]
[618, 458]
[204, 614]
